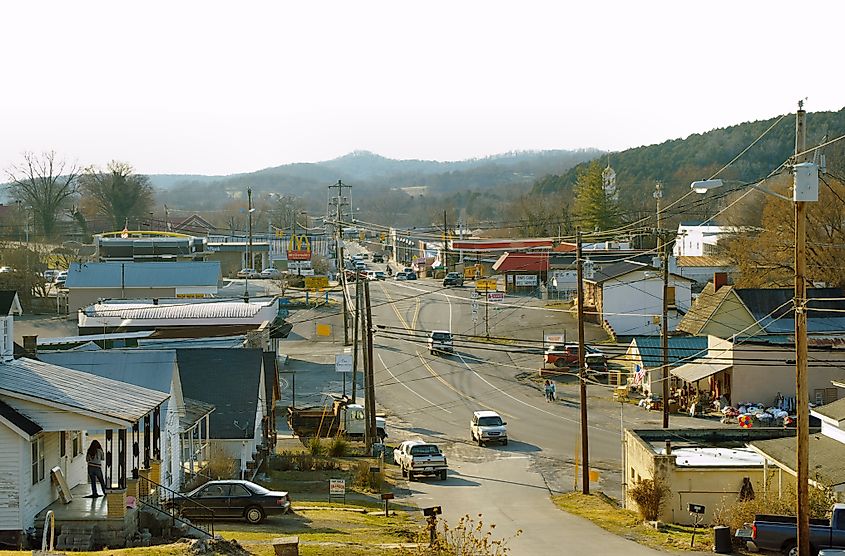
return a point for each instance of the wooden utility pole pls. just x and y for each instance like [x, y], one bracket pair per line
[445, 243]
[370, 402]
[664, 332]
[355, 328]
[582, 372]
[801, 394]
[339, 202]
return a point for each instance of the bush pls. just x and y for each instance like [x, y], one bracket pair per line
[298, 461]
[220, 465]
[363, 480]
[338, 447]
[650, 495]
[316, 447]
[735, 514]
[468, 537]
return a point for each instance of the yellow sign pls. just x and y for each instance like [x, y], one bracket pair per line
[383, 236]
[324, 330]
[362, 235]
[316, 282]
[299, 243]
[486, 284]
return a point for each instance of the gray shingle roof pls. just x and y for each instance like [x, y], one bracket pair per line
[9, 303]
[827, 457]
[54, 385]
[229, 379]
[151, 369]
[835, 410]
[143, 275]
[18, 419]
[764, 303]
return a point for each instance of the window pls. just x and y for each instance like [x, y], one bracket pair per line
[76, 443]
[37, 448]
[63, 443]
[239, 491]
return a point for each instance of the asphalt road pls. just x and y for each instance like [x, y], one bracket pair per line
[432, 397]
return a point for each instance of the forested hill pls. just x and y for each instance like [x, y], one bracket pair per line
[678, 162]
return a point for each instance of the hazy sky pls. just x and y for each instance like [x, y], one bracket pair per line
[217, 88]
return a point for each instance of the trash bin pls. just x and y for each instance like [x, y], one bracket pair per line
[722, 540]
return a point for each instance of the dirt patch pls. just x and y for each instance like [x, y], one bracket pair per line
[218, 546]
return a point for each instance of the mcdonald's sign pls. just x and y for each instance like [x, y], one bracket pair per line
[299, 248]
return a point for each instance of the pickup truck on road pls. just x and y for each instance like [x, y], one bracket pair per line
[416, 458]
[779, 533]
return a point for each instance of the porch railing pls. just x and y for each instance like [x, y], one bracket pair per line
[176, 505]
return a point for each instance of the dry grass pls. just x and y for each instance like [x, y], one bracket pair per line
[627, 523]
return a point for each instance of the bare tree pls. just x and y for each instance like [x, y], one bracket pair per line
[46, 185]
[118, 193]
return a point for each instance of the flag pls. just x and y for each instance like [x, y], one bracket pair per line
[639, 374]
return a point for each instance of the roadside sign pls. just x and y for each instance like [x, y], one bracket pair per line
[495, 297]
[316, 282]
[337, 487]
[695, 508]
[486, 284]
[554, 338]
[343, 363]
[323, 330]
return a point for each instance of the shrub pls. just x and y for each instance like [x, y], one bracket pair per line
[316, 447]
[735, 514]
[220, 465]
[468, 537]
[363, 480]
[338, 447]
[650, 495]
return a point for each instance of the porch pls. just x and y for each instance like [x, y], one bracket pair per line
[87, 523]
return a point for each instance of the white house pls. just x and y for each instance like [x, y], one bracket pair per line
[153, 369]
[627, 297]
[44, 413]
[696, 240]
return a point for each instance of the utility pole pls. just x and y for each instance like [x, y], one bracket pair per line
[249, 243]
[582, 372]
[370, 402]
[445, 243]
[355, 328]
[664, 332]
[801, 393]
[339, 201]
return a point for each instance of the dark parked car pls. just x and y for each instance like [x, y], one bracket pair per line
[233, 499]
[453, 279]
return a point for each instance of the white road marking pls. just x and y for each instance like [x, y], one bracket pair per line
[429, 402]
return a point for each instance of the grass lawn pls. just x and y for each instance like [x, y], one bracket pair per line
[626, 523]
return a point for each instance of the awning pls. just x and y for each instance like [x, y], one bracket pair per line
[693, 372]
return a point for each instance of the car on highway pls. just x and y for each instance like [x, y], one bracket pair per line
[380, 275]
[401, 276]
[416, 457]
[440, 341]
[378, 258]
[271, 273]
[248, 273]
[411, 275]
[566, 355]
[453, 279]
[488, 426]
[233, 499]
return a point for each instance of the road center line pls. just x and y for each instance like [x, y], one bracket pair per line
[420, 396]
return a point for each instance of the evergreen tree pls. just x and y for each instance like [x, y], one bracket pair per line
[594, 208]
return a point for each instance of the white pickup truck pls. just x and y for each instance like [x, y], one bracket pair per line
[416, 458]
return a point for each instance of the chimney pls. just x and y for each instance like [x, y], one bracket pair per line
[30, 346]
[155, 301]
[719, 279]
[668, 448]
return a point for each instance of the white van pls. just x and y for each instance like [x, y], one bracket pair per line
[371, 275]
[440, 341]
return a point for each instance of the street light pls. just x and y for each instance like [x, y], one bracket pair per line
[805, 189]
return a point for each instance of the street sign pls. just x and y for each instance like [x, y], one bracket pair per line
[316, 282]
[343, 363]
[695, 508]
[486, 284]
[495, 297]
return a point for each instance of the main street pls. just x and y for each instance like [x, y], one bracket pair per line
[432, 397]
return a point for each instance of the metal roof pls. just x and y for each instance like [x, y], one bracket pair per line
[681, 349]
[522, 262]
[763, 303]
[701, 368]
[75, 390]
[227, 309]
[94, 337]
[143, 274]
[194, 411]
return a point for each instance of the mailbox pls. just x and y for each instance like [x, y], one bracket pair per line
[696, 509]
[434, 510]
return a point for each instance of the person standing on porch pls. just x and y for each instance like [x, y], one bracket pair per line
[94, 456]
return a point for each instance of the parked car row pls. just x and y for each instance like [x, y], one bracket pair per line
[252, 274]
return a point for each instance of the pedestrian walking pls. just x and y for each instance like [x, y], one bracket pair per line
[552, 391]
[94, 456]
[547, 390]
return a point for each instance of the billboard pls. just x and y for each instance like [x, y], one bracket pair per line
[299, 248]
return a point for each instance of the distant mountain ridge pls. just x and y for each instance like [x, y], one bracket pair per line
[373, 170]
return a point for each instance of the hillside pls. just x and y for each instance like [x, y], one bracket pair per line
[676, 163]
